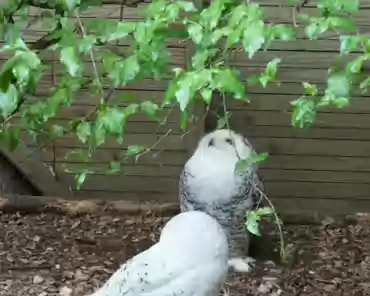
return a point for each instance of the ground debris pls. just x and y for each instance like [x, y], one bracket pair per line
[56, 255]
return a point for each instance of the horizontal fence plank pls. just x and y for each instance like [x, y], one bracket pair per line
[310, 133]
[291, 59]
[312, 146]
[324, 205]
[273, 145]
[284, 15]
[295, 88]
[101, 157]
[278, 102]
[317, 163]
[268, 175]
[77, 111]
[178, 158]
[127, 183]
[315, 176]
[169, 171]
[240, 119]
[136, 127]
[283, 205]
[274, 189]
[168, 142]
[314, 190]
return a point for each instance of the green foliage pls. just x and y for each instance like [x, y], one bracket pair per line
[253, 219]
[217, 32]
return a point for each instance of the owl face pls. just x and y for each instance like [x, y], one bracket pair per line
[226, 142]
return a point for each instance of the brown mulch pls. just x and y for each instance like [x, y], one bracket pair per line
[49, 254]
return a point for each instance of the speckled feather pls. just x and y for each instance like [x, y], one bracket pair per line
[202, 188]
[190, 259]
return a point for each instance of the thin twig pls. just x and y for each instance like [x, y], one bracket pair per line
[153, 146]
[282, 242]
[91, 53]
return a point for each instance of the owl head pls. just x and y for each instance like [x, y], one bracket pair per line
[227, 142]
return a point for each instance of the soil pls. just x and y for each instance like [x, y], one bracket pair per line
[49, 254]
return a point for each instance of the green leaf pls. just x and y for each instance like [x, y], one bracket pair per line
[260, 157]
[271, 68]
[356, 65]
[304, 113]
[83, 131]
[134, 150]
[149, 108]
[339, 84]
[70, 4]
[241, 166]
[222, 121]
[253, 38]
[80, 179]
[184, 120]
[8, 101]
[114, 167]
[195, 31]
[283, 32]
[56, 130]
[252, 223]
[10, 137]
[310, 89]
[365, 83]
[338, 22]
[206, 95]
[187, 6]
[69, 57]
[226, 80]
[349, 43]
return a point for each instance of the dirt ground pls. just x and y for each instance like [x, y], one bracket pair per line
[49, 254]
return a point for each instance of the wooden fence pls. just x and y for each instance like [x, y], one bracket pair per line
[324, 168]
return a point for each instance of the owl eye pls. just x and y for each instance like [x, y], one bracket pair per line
[229, 141]
[211, 143]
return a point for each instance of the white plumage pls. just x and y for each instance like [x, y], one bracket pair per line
[190, 259]
[208, 183]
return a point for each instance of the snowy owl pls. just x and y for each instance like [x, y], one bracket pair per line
[190, 259]
[208, 183]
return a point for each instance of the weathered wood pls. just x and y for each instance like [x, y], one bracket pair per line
[118, 97]
[136, 170]
[310, 133]
[138, 127]
[127, 183]
[35, 171]
[243, 118]
[104, 156]
[283, 204]
[284, 15]
[292, 59]
[315, 176]
[271, 145]
[289, 146]
[274, 189]
[169, 142]
[317, 190]
[268, 175]
[166, 159]
[317, 163]
[78, 111]
[278, 102]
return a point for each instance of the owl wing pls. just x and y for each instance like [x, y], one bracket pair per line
[151, 273]
[187, 202]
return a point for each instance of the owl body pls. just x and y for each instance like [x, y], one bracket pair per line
[208, 183]
[190, 259]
